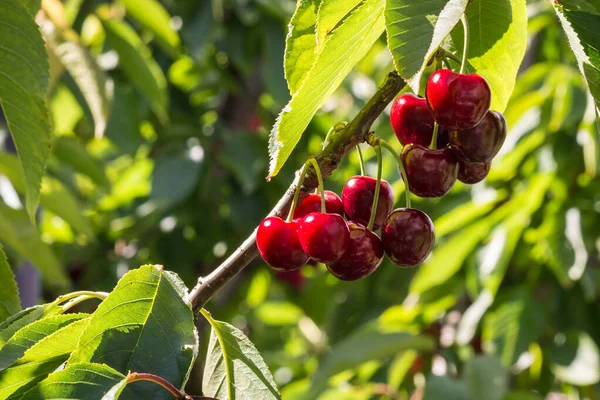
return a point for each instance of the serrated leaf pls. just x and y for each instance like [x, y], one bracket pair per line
[343, 48]
[497, 44]
[136, 61]
[153, 16]
[30, 334]
[73, 153]
[486, 378]
[330, 14]
[23, 85]
[10, 303]
[144, 325]
[83, 381]
[300, 43]
[40, 360]
[415, 32]
[234, 369]
[23, 318]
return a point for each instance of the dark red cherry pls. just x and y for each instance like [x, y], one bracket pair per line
[412, 121]
[278, 244]
[362, 257]
[312, 203]
[457, 101]
[407, 236]
[482, 142]
[294, 279]
[471, 173]
[323, 236]
[431, 173]
[357, 198]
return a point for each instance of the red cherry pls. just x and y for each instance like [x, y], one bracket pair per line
[323, 236]
[471, 173]
[407, 236]
[295, 279]
[457, 101]
[482, 142]
[278, 244]
[357, 198]
[312, 203]
[431, 173]
[362, 257]
[412, 121]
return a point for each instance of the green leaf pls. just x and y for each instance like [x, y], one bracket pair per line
[135, 59]
[415, 32]
[40, 360]
[10, 303]
[23, 85]
[497, 44]
[30, 334]
[330, 14]
[32, 6]
[521, 395]
[165, 189]
[73, 153]
[370, 343]
[300, 43]
[234, 368]
[83, 381]
[153, 16]
[144, 325]
[23, 318]
[575, 359]
[17, 231]
[442, 387]
[279, 313]
[486, 378]
[343, 48]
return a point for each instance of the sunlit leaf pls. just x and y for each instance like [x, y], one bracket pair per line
[73, 153]
[9, 295]
[24, 317]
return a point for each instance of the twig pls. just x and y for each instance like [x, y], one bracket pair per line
[339, 145]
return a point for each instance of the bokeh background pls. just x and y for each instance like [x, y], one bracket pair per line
[192, 89]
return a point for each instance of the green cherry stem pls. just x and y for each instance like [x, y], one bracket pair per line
[315, 165]
[433, 144]
[139, 376]
[377, 188]
[389, 148]
[297, 192]
[465, 24]
[361, 160]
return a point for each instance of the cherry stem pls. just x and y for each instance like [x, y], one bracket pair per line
[138, 376]
[297, 192]
[389, 148]
[377, 148]
[361, 160]
[465, 24]
[315, 165]
[433, 144]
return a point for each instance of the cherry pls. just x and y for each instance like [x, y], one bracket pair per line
[312, 203]
[457, 101]
[324, 236]
[294, 278]
[472, 172]
[361, 258]
[482, 142]
[431, 173]
[408, 236]
[357, 198]
[412, 121]
[278, 244]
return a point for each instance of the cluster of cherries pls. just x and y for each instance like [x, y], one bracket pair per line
[451, 134]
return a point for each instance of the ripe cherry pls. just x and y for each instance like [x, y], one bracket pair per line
[278, 244]
[431, 173]
[412, 121]
[361, 258]
[357, 198]
[324, 236]
[408, 236]
[457, 101]
[294, 278]
[312, 203]
[482, 142]
[471, 173]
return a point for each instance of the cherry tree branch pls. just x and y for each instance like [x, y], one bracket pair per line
[340, 143]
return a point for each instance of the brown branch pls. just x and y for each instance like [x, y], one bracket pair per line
[337, 148]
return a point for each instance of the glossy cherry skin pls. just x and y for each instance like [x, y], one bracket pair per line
[278, 244]
[357, 197]
[457, 101]
[407, 236]
[431, 173]
[361, 258]
[324, 237]
[412, 121]
[471, 173]
[312, 203]
[482, 142]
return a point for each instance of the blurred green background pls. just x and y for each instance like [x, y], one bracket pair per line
[192, 89]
